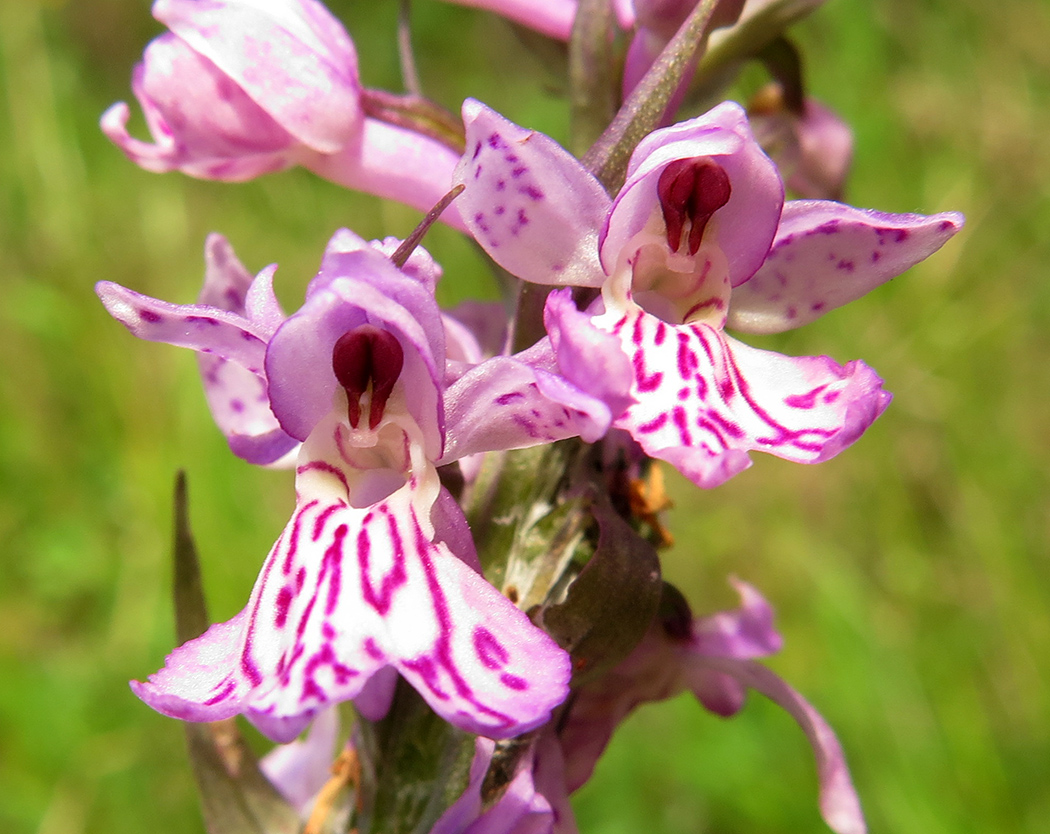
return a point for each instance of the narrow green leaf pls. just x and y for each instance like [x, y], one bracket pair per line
[191, 610]
[641, 113]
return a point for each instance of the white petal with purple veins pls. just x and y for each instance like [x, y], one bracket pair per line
[704, 400]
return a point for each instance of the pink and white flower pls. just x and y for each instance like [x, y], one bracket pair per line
[241, 88]
[375, 574]
[698, 239]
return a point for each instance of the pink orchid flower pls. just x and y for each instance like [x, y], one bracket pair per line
[241, 88]
[375, 574]
[698, 239]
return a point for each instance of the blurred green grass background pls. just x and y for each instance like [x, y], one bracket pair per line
[910, 574]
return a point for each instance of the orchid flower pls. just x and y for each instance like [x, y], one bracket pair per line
[698, 239]
[812, 149]
[240, 88]
[376, 572]
[714, 657]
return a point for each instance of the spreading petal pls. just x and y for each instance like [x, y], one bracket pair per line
[513, 403]
[529, 202]
[237, 397]
[704, 400]
[827, 254]
[229, 328]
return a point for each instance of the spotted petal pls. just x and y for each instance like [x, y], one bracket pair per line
[827, 254]
[529, 202]
[705, 400]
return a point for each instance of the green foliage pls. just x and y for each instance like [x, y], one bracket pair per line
[910, 573]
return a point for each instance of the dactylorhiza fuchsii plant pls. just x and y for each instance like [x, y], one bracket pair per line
[466, 599]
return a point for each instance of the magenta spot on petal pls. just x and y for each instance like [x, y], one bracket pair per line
[491, 653]
[313, 692]
[300, 578]
[902, 235]
[220, 695]
[792, 312]
[373, 650]
[657, 423]
[661, 333]
[514, 682]
[848, 266]
[829, 228]
[496, 141]
[683, 393]
[875, 257]
[645, 381]
[945, 225]
[501, 185]
[817, 306]
[682, 425]
[202, 320]
[511, 158]
[499, 211]
[237, 406]
[150, 316]
[532, 192]
[807, 400]
[284, 601]
[249, 337]
[477, 151]
[831, 396]
[519, 171]
[505, 399]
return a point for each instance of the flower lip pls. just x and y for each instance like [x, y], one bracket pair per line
[364, 356]
[691, 189]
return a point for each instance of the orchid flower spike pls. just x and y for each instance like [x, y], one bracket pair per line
[375, 574]
[240, 88]
[699, 239]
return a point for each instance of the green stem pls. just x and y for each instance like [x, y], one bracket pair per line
[641, 113]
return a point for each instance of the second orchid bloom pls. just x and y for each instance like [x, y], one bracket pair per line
[698, 239]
